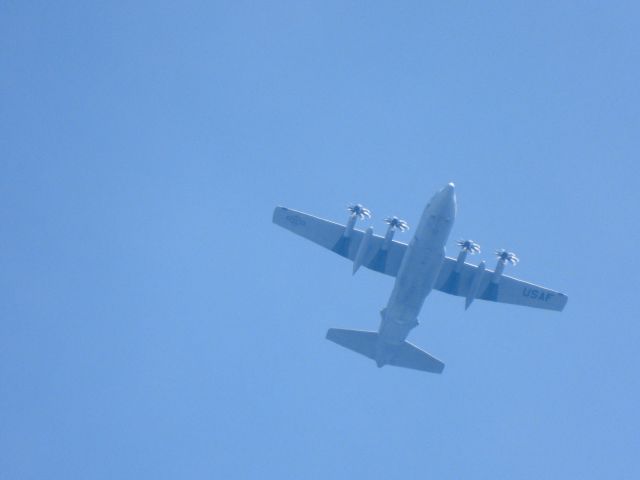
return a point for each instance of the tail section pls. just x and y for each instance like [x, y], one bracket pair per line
[410, 356]
[367, 343]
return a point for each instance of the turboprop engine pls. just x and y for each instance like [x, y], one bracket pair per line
[356, 211]
[503, 258]
[466, 247]
[492, 289]
[394, 224]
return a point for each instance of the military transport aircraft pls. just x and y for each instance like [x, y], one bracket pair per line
[418, 268]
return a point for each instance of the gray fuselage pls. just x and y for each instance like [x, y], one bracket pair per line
[418, 272]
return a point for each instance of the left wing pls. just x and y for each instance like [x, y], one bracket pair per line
[330, 235]
[472, 282]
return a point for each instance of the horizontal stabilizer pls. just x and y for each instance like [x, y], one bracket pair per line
[410, 356]
[404, 355]
[364, 343]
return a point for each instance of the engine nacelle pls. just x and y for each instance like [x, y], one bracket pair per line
[462, 256]
[466, 246]
[503, 257]
[349, 228]
[362, 249]
[388, 238]
[475, 285]
[495, 278]
[357, 211]
[394, 223]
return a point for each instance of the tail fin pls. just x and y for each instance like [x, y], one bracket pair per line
[404, 355]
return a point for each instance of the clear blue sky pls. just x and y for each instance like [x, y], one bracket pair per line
[155, 324]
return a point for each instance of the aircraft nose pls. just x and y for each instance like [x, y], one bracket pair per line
[451, 191]
[448, 193]
[445, 201]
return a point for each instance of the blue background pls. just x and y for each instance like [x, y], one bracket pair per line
[155, 324]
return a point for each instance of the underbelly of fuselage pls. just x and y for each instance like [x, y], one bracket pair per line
[415, 280]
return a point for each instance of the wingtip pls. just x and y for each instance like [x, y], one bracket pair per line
[564, 300]
[276, 210]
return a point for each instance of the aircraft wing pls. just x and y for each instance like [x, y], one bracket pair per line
[474, 282]
[330, 235]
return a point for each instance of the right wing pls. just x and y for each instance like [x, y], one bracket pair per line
[330, 235]
[507, 290]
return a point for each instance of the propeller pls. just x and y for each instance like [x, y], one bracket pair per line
[466, 246]
[469, 246]
[359, 211]
[395, 222]
[505, 256]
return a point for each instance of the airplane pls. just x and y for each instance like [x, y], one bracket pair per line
[418, 268]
